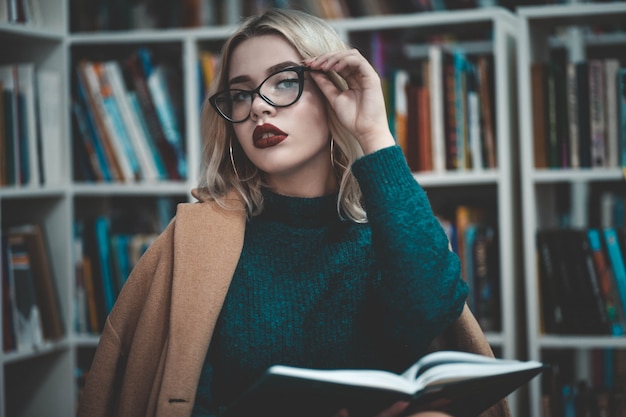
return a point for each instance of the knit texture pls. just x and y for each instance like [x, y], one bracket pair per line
[317, 291]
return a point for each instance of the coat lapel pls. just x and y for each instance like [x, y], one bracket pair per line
[208, 240]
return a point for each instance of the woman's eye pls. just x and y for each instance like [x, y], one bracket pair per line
[239, 96]
[288, 83]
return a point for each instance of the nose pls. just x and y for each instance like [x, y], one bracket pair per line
[260, 107]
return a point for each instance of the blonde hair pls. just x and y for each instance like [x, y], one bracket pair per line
[311, 36]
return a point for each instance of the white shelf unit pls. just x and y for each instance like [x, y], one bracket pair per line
[54, 368]
[35, 382]
[542, 30]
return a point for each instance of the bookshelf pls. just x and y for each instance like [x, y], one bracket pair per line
[565, 196]
[72, 198]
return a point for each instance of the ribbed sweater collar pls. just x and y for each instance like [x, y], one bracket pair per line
[299, 211]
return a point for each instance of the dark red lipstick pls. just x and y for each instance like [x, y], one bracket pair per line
[267, 135]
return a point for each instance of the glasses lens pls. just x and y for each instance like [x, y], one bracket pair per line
[280, 90]
[234, 104]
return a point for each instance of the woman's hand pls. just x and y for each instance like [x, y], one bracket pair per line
[360, 108]
[396, 410]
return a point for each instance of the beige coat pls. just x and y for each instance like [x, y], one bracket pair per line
[155, 340]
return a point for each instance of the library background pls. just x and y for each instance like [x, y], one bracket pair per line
[512, 116]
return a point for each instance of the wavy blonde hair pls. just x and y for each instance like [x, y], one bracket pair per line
[311, 36]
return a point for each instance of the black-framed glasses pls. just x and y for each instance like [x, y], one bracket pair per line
[281, 89]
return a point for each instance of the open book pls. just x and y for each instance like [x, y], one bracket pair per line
[462, 384]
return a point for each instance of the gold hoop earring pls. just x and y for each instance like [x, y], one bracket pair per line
[232, 160]
[332, 152]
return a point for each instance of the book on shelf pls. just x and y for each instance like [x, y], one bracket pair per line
[572, 114]
[539, 83]
[88, 92]
[106, 247]
[113, 119]
[435, 88]
[29, 279]
[34, 241]
[597, 112]
[25, 311]
[460, 65]
[607, 284]
[423, 120]
[484, 68]
[582, 119]
[579, 272]
[621, 113]
[136, 65]
[161, 80]
[611, 68]
[19, 136]
[459, 383]
[576, 114]
[559, 313]
[127, 120]
[139, 141]
[50, 133]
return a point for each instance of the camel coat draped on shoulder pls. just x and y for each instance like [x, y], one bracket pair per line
[155, 340]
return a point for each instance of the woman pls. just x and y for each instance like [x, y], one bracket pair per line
[312, 244]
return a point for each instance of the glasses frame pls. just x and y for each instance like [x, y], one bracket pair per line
[300, 70]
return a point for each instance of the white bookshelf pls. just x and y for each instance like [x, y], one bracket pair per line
[541, 30]
[55, 392]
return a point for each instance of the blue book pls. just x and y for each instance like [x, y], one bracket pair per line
[113, 110]
[105, 260]
[617, 261]
[460, 106]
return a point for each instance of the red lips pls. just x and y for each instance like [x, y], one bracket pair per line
[267, 135]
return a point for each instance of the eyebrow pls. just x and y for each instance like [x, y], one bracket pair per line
[269, 71]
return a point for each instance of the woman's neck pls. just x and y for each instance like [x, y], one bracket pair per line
[305, 183]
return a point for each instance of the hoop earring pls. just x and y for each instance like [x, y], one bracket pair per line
[232, 160]
[332, 152]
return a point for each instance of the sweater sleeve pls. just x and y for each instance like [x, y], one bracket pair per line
[421, 289]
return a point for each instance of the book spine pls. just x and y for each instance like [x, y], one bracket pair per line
[539, 112]
[572, 114]
[168, 155]
[113, 118]
[452, 151]
[597, 113]
[97, 116]
[95, 157]
[460, 108]
[102, 232]
[157, 84]
[154, 151]
[475, 135]
[425, 145]
[435, 89]
[130, 120]
[584, 127]
[28, 117]
[614, 309]
[611, 67]
[616, 261]
[621, 99]
[48, 87]
[487, 113]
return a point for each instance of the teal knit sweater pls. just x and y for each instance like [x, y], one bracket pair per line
[317, 291]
